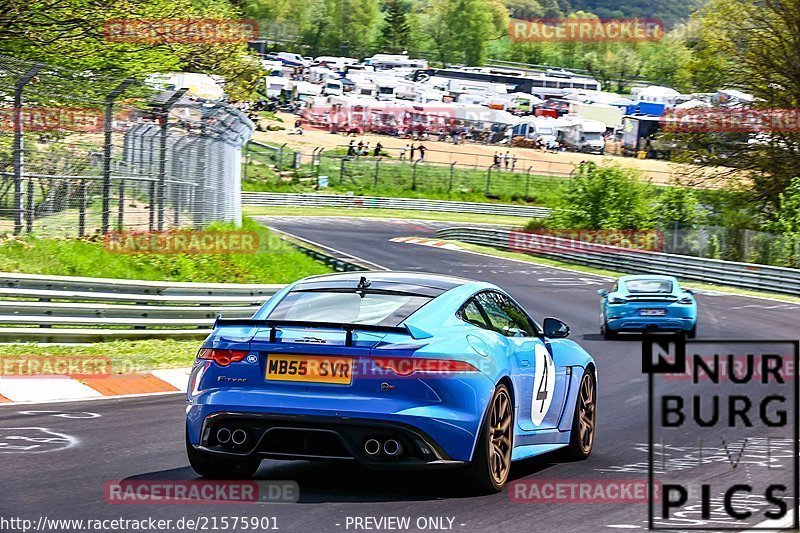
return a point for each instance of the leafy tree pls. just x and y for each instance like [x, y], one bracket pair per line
[459, 31]
[615, 68]
[788, 219]
[756, 43]
[678, 204]
[605, 197]
[396, 33]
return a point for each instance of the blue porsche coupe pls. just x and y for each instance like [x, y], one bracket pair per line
[647, 303]
[391, 370]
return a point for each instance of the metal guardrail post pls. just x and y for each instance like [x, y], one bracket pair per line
[488, 178]
[377, 171]
[18, 154]
[162, 160]
[341, 171]
[280, 157]
[414, 175]
[108, 118]
[528, 182]
[452, 171]
[121, 206]
[83, 202]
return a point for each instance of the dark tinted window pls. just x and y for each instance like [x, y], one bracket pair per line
[472, 315]
[505, 317]
[348, 307]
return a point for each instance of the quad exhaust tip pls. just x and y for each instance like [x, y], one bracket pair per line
[239, 436]
[391, 447]
[372, 447]
[224, 435]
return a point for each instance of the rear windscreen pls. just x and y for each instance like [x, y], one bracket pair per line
[649, 285]
[348, 307]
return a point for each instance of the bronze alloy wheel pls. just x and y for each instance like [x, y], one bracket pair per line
[586, 414]
[500, 437]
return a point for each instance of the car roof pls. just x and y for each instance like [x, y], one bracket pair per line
[649, 277]
[413, 282]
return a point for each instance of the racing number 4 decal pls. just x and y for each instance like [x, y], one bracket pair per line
[544, 380]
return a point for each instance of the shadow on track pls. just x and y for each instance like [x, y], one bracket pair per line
[329, 481]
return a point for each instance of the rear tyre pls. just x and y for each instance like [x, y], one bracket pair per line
[491, 464]
[607, 332]
[214, 467]
[581, 440]
[692, 333]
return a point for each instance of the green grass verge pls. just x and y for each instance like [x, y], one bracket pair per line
[125, 356]
[274, 262]
[384, 213]
[366, 176]
[609, 273]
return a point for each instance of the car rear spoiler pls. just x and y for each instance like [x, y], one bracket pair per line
[275, 325]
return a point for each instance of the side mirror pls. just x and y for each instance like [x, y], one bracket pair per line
[555, 329]
[602, 292]
[688, 291]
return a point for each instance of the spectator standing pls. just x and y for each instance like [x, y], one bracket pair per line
[507, 159]
[422, 152]
[403, 151]
[413, 149]
[496, 160]
[378, 148]
[351, 149]
[513, 162]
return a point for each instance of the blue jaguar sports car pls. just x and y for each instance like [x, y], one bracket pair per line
[647, 303]
[392, 370]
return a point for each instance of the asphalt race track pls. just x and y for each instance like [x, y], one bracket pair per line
[142, 438]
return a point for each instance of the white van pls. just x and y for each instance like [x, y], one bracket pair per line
[293, 60]
[333, 87]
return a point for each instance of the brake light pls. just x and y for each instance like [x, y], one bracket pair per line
[617, 300]
[222, 357]
[405, 366]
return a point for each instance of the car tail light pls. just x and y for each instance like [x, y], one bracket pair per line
[405, 366]
[617, 300]
[222, 357]
[686, 301]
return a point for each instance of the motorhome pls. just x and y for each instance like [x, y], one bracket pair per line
[539, 84]
[391, 61]
[609, 115]
[656, 94]
[386, 89]
[580, 135]
[293, 60]
[199, 85]
[321, 74]
[333, 87]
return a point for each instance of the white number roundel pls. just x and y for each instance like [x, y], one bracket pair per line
[544, 380]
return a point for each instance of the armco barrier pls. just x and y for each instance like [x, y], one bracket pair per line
[68, 309]
[78, 309]
[742, 275]
[375, 202]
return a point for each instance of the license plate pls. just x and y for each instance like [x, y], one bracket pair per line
[310, 368]
[653, 312]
